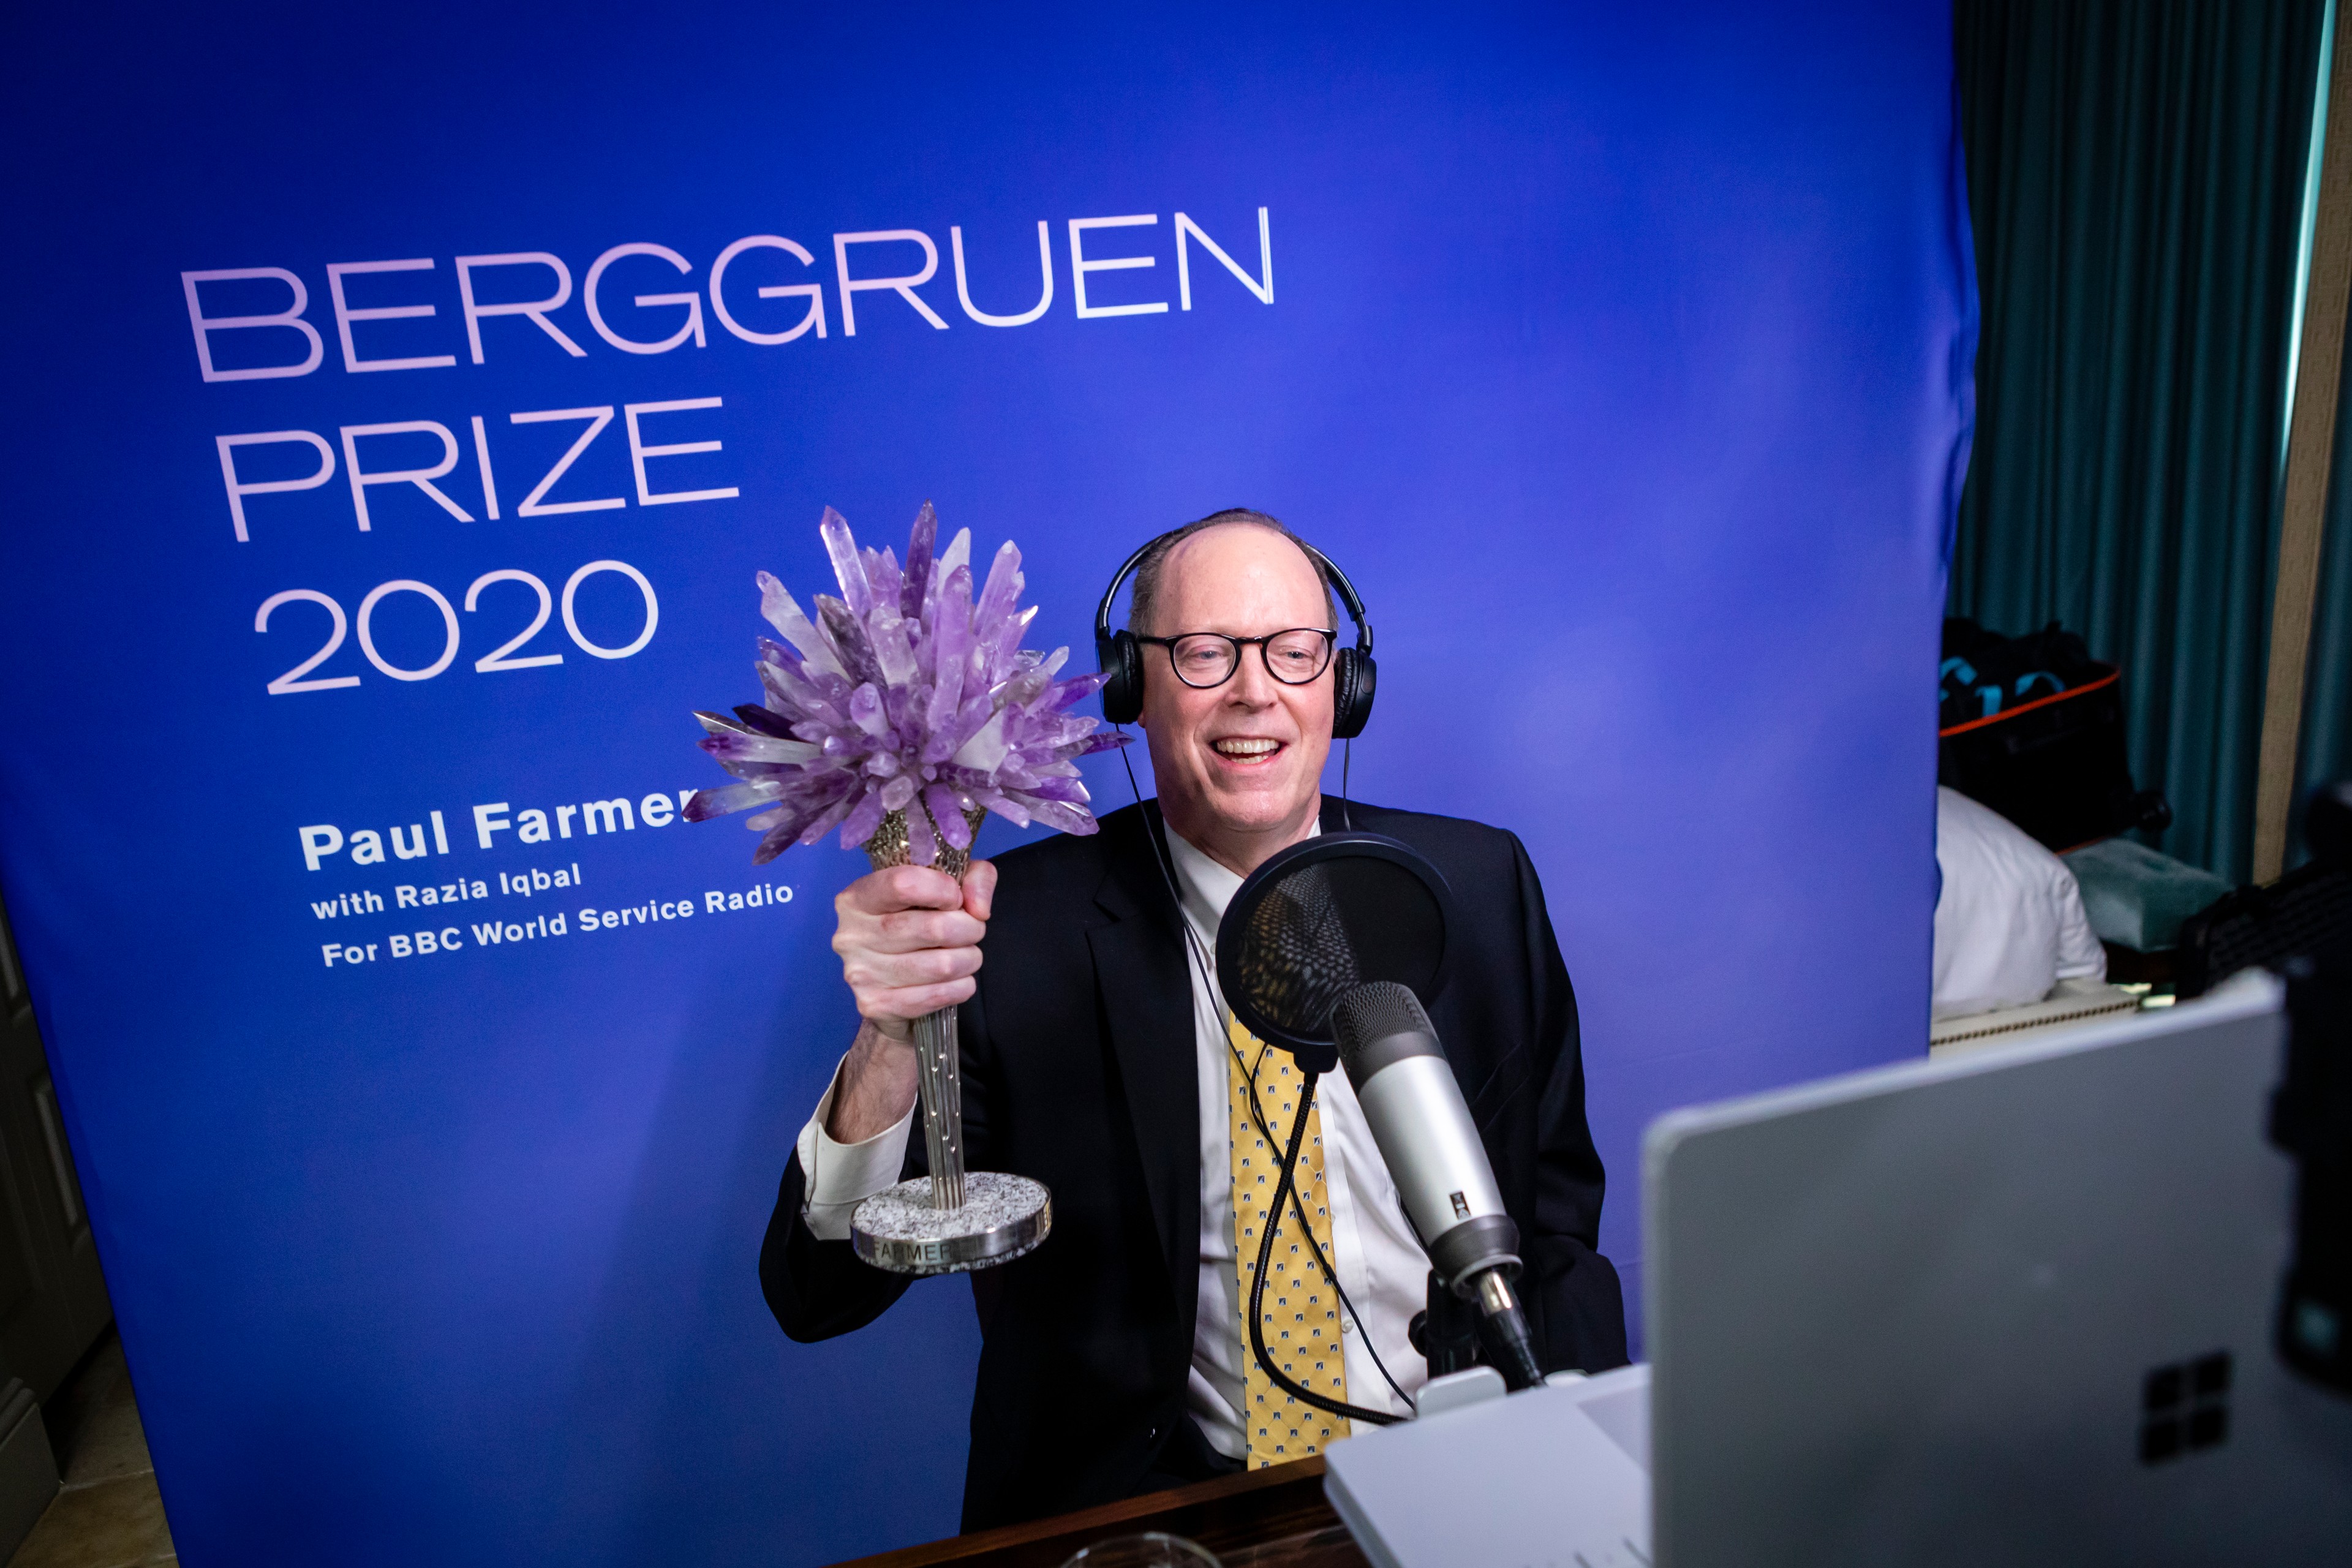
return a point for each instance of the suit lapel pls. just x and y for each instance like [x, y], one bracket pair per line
[1147, 998]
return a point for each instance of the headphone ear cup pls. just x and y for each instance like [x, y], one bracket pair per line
[1354, 682]
[1121, 658]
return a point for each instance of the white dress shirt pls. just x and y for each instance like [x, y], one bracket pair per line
[1381, 1267]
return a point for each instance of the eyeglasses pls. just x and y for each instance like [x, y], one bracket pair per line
[1206, 660]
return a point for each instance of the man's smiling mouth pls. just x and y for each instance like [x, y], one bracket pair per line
[1245, 748]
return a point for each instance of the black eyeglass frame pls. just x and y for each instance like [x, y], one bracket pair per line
[1330, 636]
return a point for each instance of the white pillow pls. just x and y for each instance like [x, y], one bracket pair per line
[2008, 922]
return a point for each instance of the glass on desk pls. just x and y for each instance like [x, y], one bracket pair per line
[1329, 1547]
[1148, 1551]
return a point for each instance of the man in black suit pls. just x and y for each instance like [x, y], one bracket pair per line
[1097, 1056]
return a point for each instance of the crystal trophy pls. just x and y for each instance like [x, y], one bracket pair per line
[899, 715]
[953, 1220]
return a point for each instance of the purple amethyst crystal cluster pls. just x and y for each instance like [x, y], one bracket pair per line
[905, 694]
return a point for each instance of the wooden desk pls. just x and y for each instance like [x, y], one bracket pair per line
[1261, 1519]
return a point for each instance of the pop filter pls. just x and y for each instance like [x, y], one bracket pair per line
[1321, 918]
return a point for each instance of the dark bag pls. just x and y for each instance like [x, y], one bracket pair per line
[2033, 727]
[2307, 910]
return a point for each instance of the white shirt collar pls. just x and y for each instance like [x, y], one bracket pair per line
[1205, 887]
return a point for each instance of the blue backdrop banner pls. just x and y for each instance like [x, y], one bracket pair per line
[403, 400]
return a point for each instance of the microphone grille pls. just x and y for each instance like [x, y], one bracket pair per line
[1375, 1012]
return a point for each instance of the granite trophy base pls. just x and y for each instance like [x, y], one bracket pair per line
[1003, 1217]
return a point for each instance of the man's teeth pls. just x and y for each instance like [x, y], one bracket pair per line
[1246, 748]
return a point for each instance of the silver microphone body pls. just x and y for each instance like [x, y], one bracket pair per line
[1424, 1132]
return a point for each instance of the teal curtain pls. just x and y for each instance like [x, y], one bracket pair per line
[2136, 171]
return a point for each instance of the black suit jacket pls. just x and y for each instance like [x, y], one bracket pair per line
[1078, 1070]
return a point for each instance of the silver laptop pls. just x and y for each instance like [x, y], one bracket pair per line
[2009, 1308]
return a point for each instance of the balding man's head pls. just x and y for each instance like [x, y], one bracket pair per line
[1149, 595]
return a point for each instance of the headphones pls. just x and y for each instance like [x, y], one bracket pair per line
[1353, 674]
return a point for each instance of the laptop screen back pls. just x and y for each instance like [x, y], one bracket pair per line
[2010, 1308]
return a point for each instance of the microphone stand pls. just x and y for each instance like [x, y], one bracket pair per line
[1446, 1331]
[1454, 1333]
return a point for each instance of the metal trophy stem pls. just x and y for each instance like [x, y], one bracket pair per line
[954, 1221]
[941, 1088]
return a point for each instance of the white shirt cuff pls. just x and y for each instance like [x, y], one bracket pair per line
[840, 1176]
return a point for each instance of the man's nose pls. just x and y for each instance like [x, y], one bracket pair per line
[1253, 683]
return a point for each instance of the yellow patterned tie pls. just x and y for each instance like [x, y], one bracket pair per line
[1302, 1310]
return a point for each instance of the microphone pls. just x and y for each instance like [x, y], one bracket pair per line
[1329, 950]
[1424, 1132]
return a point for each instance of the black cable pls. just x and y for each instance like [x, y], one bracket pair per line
[1257, 1111]
[1258, 1117]
[1283, 1191]
[1299, 1207]
[1346, 760]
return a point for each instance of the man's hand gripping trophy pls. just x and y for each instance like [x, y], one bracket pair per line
[901, 715]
